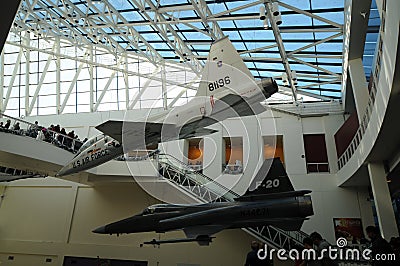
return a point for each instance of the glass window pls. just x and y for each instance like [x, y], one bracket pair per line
[316, 154]
[273, 147]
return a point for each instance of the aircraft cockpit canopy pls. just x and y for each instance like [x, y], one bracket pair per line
[148, 210]
[90, 142]
[162, 208]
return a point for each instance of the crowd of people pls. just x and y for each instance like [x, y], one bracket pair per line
[379, 247]
[52, 134]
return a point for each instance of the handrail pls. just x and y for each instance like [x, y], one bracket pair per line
[202, 175]
[355, 142]
[52, 132]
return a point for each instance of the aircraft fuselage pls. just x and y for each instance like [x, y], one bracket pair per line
[281, 212]
[94, 152]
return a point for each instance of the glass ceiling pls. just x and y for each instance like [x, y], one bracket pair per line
[182, 31]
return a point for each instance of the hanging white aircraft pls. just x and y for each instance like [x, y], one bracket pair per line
[227, 89]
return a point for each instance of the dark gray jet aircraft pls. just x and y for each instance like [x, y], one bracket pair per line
[270, 200]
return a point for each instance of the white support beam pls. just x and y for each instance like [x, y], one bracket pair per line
[72, 85]
[319, 84]
[78, 59]
[12, 80]
[58, 77]
[281, 47]
[259, 49]
[143, 89]
[164, 87]
[172, 103]
[238, 8]
[91, 76]
[126, 81]
[27, 73]
[170, 36]
[286, 90]
[41, 80]
[204, 12]
[136, 41]
[314, 66]
[295, 9]
[105, 89]
[103, 93]
[315, 44]
[319, 56]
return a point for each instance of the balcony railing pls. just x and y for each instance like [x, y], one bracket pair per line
[355, 142]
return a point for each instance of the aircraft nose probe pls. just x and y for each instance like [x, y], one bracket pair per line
[100, 230]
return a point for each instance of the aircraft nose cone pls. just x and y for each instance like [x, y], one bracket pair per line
[63, 171]
[100, 230]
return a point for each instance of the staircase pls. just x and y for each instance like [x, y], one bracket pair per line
[204, 189]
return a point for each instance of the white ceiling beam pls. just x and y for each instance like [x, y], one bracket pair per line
[204, 12]
[281, 47]
[106, 87]
[318, 84]
[170, 36]
[72, 85]
[259, 49]
[300, 11]
[314, 66]
[41, 80]
[229, 11]
[143, 89]
[12, 80]
[309, 94]
[78, 59]
[315, 43]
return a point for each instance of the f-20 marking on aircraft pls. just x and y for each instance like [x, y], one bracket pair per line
[219, 83]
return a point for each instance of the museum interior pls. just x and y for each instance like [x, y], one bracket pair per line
[169, 112]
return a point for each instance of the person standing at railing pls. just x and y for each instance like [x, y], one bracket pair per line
[8, 124]
[33, 129]
[40, 135]
[16, 127]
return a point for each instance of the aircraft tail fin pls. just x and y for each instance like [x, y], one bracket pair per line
[270, 179]
[224, 68]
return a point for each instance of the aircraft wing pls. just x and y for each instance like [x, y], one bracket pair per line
[208, 216]
[116, 129]
[139, 134]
